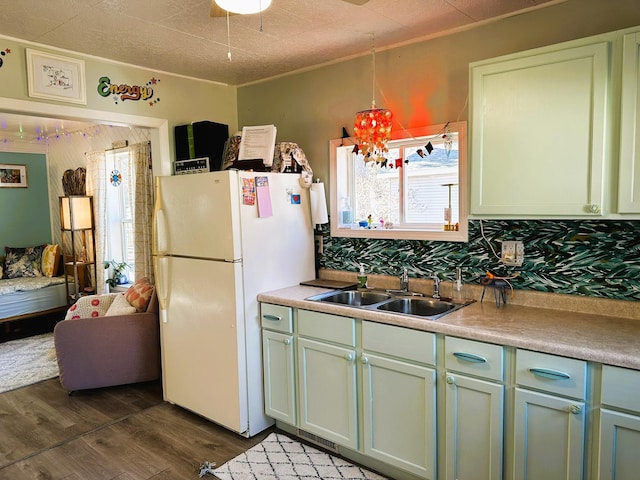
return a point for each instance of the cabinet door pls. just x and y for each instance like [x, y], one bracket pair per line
[548, 436]
[279, 380]
[619, 446]
[539, 130]
[629, 183]
[399, 414]
[327, 389]
[473, 428]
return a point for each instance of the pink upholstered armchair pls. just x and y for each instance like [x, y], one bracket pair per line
[101, 351]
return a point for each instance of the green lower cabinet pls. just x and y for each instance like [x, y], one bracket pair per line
[619, 446]
[548, 437]
[327, 390]
[399, 417]
[279, 379]
[473, 429]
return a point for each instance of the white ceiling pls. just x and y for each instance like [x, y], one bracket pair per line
[179, 36]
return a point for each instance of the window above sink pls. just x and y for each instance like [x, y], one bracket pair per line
[416, 192]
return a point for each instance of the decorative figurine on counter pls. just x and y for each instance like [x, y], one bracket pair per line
[369, 220]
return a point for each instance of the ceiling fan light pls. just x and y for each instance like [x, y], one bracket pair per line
[244, 7]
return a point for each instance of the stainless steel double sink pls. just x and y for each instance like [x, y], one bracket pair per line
[382, 301]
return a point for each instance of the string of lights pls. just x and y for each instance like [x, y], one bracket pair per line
[49, 137]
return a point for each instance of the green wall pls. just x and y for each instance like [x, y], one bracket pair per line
[427, 83]
[24, 212]
[424, 83]
[179, 100]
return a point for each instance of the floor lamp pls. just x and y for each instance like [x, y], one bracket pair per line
[76, 215]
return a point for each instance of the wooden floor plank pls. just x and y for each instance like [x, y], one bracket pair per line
[118, 433]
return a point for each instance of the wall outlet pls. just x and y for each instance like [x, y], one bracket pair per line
[512, 253]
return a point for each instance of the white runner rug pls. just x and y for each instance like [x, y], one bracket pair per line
[279, 457]
[27, 361]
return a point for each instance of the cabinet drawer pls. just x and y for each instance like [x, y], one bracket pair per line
[399, 342]
[620, 387]
[476, 358]
[551, 373]
[327, 327]
[276, 317]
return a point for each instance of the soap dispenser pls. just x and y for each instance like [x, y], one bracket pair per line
[362, 277]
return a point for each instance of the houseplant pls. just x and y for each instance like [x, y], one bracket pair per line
[118, 277]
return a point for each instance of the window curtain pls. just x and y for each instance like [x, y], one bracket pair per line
[142, 193]
[96, 187]
[143, 208]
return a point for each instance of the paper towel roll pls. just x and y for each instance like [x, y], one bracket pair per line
[318, 204]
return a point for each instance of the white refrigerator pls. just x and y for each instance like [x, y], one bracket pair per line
[216, 246]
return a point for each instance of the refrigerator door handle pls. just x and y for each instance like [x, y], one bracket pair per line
[161, 291]
[158, 214]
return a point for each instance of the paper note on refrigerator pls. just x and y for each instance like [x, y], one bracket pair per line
[264, 197]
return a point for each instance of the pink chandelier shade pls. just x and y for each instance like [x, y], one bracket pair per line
[372, 128]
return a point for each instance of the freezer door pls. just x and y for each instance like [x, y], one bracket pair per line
[197, 216]
[202, 334]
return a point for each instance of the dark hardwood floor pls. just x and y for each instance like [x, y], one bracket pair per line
[124, 433]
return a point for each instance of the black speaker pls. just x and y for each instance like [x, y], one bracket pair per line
[202, 139]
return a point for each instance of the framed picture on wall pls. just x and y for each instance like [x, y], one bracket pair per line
[13, 176]
[55, 77]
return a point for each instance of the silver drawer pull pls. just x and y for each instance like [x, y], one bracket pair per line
[275, 318]
[469, 357]
[550, 374]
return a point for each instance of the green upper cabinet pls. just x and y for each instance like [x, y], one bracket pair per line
[539, 132]
[629, 184]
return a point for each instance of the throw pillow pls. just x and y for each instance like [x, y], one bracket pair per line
[23, 262]
[139, 294]
[90, 306]
[50, 260]
[120, 306]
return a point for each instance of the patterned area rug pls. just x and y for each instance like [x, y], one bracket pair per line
[280, 457]
[27, 361]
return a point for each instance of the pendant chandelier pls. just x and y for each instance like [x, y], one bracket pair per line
[372, 128]
[243, 7]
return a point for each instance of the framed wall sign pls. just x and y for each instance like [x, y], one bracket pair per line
[55, 77]
[13, 175]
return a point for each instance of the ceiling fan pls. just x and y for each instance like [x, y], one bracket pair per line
[218, 11]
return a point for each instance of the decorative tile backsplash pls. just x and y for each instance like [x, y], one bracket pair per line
[591, 258]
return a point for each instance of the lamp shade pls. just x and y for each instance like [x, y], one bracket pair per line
[373, 130]
[75, 213]
[244, 7]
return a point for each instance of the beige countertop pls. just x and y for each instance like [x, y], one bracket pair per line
[614, 340]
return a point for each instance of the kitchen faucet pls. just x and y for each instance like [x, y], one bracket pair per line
[404, 281]
[436, 286]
